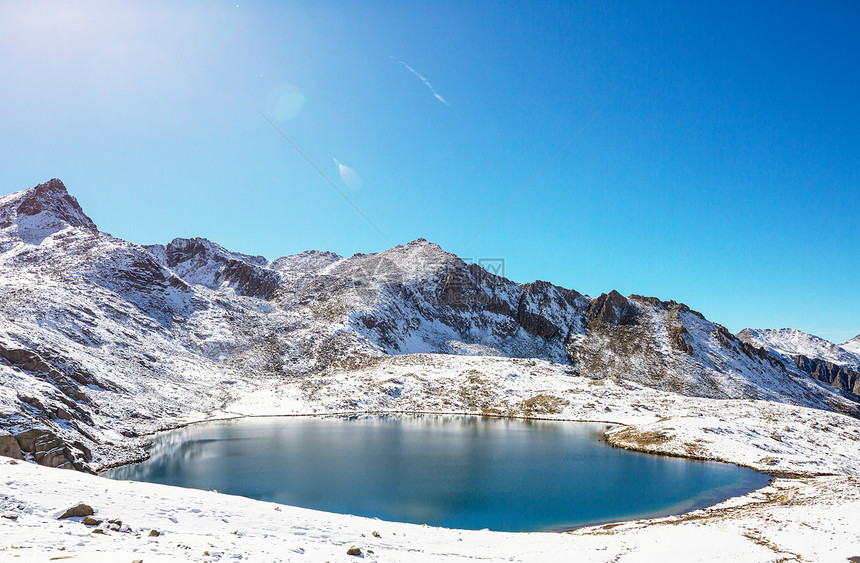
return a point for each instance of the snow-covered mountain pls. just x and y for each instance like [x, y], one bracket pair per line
[852, 345]
[102, 339]
[835, 364]
[792, 342]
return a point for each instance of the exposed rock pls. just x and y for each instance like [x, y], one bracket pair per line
[724, 337]
[353, 551]
[539, 297]
[612, 308]
[753, 351]
[79, 510]
[88, 455]
[207, 263]
[32, 362]
[154, 533]
[681, 341]
[9, 447]
[25, 360]
[32, 401]
[47, 449]
[830, 373]
[460, 290]
[667, 305]
[53, 198]
[90, 521]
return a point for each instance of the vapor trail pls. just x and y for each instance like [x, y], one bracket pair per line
[424, 80]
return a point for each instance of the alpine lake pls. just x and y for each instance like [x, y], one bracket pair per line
[467, 472]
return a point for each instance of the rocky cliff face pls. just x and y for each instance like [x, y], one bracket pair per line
[830, 373]
[101, 338]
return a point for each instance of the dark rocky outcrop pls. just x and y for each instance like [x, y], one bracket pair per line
[612, 308]
[679, 338]
[52, 197]
[90, 521]
[249, 280]
[537, 300]
[213, 265]
[46, 448]
[829, 373]
[9, 447]
[460, 289]
[80, 510]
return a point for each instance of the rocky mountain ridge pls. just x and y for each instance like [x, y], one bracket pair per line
[102, 340]
[835, 364]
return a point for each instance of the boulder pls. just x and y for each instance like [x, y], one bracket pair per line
[9, 447]
[90, 521]
[77, 511]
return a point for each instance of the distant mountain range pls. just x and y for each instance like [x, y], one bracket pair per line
[96, 331]
[835, 364]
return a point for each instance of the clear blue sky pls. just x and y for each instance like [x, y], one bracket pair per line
[713, 156]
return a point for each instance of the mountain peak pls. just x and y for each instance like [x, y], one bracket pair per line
[45, 207]
[852, 345]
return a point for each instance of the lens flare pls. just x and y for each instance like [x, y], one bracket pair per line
[285, 102]
[349, 176]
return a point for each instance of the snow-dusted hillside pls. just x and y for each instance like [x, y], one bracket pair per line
[792, 342]
[835, 364]
[102, 339]
[852, 345]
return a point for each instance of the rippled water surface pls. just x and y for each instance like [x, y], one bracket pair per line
[453, 471]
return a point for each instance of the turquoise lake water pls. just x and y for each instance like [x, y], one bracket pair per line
[452, 471]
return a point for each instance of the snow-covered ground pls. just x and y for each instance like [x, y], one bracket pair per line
[810, 518]
[813, 519]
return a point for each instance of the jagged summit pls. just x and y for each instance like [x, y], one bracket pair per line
[43, 209]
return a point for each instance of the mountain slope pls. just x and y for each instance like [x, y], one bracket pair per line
[102, 339]
[834, 364]
[852, 345]
[789, 341]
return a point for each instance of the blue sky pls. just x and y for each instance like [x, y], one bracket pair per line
[707, 152]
